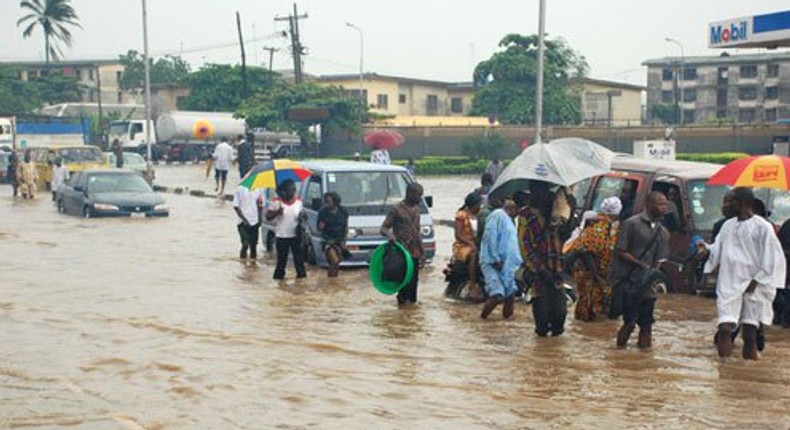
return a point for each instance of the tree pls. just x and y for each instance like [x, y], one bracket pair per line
[484, 146]
[506, 82]
[269, 109]
[54, 17]
[19, 96]
[168, 70]
[666, 113]
[218, 87]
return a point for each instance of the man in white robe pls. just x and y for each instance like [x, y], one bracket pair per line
[751, 267]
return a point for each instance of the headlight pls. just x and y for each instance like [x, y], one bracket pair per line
[426, 230]
[161, 207]
[353, 233]
[105, 207]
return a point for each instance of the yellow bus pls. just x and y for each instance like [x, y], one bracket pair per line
[75, 158]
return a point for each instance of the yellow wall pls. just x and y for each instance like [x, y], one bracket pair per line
[626, 108]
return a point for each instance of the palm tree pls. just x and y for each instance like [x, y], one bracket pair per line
[52, 16]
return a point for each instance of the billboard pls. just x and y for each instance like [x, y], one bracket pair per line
[759, 31]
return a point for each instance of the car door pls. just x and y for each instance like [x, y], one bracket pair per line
[73, 195]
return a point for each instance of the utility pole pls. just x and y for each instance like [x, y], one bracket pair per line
[243, 59]
[271, 55]
[539, 83]
[146, 61]
[296, 45]
[101, 118]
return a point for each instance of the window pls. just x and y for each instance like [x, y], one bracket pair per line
[314, 191]
[689, 116]
[78, 74]
[667, 97]
[746, 115]
[596, 107]
[771, 93]
[690, 95]
[770, 115]
[690, 74]
[721, 113]
[372, 188]
[609, 186]
[724, 74]
[118, 76]
[666, 75]
[433, 103]
[402, 98]
[773, 71]
[120, 97]
[748, 72]
[382, 101]
[355, 94]
[457, 105]
[704, 202]
[90, 74]
[721, 97]
[747, 93]
[91, 95]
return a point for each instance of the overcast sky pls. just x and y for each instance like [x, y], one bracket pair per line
[430, 39]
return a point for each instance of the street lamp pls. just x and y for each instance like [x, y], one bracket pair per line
[539, 83]
[361, 56]
[147, 90]
[682, 75]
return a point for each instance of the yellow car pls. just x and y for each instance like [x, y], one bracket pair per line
[75, 158]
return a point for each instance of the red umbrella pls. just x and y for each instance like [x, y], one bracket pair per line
[384, 139]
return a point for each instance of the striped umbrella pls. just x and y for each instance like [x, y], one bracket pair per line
[759, 171]
[270, 174]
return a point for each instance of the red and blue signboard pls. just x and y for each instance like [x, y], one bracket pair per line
[769, 30]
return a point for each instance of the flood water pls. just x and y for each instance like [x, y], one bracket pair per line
[155, 324]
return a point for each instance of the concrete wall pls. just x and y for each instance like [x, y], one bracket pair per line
[626, 108]
[448, 141]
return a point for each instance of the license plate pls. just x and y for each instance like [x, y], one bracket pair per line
[138, 214]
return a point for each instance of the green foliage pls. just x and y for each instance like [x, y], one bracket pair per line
[483, 146]
[168, 70]
[54, 17]
[666, 113]
[218, 87]
[506, 82]
[712, 157]
[269, 108]
[18, 96]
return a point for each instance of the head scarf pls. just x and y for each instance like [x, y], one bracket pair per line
[586, 217]
[612, 206]
[472, 199]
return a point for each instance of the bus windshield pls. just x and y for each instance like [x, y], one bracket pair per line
[81, 155]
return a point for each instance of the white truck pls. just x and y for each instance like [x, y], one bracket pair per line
[191, 135]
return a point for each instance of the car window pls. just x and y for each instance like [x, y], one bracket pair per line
[314, 190]
[117, 183]
[75, 179]
[705, 203]
[609, 186]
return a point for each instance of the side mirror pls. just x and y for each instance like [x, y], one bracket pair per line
[429, 201]
[316, 204]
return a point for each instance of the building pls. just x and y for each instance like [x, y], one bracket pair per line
[398, 96]
[607, 103]
[98, 77]
[752, 88]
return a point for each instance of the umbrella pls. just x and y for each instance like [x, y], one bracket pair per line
[384, 139]
[270, 174]
[562, 162]
[759, 171]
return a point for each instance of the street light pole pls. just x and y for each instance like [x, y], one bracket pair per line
[147, 86]
[539, 84]
[363, 100]
[682, 75]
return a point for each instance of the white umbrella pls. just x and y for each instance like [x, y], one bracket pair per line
[562, 162]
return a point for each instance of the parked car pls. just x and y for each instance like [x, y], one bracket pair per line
[105, 192]
[368, 191]
[698, 208]
[75, 158]
[131, 160]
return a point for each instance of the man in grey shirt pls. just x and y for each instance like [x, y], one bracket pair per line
[642, 244]
[495, 168]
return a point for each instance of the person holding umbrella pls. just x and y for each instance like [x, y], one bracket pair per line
[286, 213]
[382, 141]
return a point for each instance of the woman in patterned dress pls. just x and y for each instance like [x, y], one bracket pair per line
[593, 249]
[465, 247]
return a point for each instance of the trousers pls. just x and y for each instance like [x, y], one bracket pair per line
[283, 246]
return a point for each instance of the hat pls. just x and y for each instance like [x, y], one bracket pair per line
[472, 199]
[611, 206]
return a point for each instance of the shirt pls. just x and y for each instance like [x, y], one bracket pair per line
[333, 225]
[246, 154]
[494, 169]
[635, 234]
[59, 176]
[223, 156]
[404, 220]
[287, 222]
[380, 156]
[247, 201]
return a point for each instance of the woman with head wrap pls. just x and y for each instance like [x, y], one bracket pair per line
[595, 245]
[465, 247]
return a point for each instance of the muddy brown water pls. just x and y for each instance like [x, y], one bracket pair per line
[154, 324]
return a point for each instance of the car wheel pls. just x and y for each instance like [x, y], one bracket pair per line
[86, 212]
[61, 206]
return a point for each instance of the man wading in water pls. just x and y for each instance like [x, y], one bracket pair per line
[402, 224]
[642, 244]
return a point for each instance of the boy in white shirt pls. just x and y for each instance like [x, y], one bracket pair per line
[223, 158]
[248, 205]
[59, 177]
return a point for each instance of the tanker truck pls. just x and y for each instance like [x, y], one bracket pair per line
[189, 135]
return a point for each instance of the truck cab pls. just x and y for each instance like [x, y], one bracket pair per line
[131, 133]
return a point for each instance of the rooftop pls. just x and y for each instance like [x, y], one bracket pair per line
[683, 169]
[720, 59]
[349, 166]
[613, 84]
[59, 64]
[376, 76]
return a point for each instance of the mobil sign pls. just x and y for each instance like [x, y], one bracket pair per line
[726, 33]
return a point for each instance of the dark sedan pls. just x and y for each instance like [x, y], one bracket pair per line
[94, 193]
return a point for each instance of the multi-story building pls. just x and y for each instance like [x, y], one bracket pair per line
[400, 96]
[99, 78]
[752, 88]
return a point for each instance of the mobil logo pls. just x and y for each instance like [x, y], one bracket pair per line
[721, 34]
